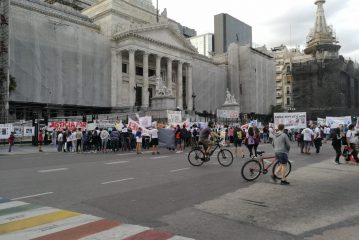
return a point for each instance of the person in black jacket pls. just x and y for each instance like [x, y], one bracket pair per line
[337, 144]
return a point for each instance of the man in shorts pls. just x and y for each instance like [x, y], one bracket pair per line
[281, 149]
[204, 138]
[308, 139]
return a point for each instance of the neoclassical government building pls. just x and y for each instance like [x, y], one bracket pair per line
[108, 56]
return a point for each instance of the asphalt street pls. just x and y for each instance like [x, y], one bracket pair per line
[208, 202]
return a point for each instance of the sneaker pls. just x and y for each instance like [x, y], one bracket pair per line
[158, 152]
[284, 182]
[273, 178]
[336, 163]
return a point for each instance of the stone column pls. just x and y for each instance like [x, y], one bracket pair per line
[113, 78]
[145, 100]
[158, 66]
[169, 73]
[180, 85]
[119, 79]
[189, 88]
[132, 78]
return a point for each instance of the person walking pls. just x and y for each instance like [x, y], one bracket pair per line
[281, 149]
[11, 141]
[250, 141]
[308, 138]
[40, 140]
[337, 144]
[317, 138]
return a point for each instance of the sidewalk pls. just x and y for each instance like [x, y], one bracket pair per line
[20, 149]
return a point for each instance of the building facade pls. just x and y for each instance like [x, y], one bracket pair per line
[204, 44]
[227, 30]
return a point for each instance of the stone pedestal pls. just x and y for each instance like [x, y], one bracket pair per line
[230, 106]
[160, 105]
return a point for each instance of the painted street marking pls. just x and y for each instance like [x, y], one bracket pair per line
[28, 214]
[53, 170]
[31, 196]
[113, 163]
[178, 170]
[125, 154]
[116, 181]
[50, 228]
[180, 238]
[12, 204]
[121, 232]
[159, 157]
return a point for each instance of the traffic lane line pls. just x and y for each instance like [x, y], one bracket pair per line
[53, 170]
[116, 181]
[150, 235]
[179, 170]
[50, 228]
[160, 157]
[113, 163]
[31, 196]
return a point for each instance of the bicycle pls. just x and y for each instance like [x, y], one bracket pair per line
[196, 157]
[254, 168]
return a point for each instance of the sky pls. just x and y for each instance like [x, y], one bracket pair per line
[274, 22]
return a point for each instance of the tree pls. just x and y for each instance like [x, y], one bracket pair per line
[12, 85]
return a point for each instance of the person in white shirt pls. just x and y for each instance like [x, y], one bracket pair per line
[104, 135]
[308, 138]
[60, 142]
[327, 133]
[352, 140]
[154, 140]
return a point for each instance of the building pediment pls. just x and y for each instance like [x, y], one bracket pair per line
[161, 34]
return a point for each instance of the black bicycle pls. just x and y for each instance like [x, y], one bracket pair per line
[196, 157]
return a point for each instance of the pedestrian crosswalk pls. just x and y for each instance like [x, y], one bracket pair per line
[21, 220]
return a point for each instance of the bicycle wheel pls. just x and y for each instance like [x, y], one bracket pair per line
[251, 170]
[196, 157]
[225, 157]
[275, 167]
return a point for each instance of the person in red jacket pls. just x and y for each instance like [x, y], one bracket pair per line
[40, 139]
[11, 141]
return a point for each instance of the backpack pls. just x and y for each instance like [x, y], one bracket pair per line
[195, 132]
[178, 135]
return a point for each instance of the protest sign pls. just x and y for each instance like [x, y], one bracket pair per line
[29, 131]
[67, 125]
[145, 121]
[321, 121]
[334, 122]
[291, 120]
[18, 131]
[5, 130]
[227, 114]
[174, 117]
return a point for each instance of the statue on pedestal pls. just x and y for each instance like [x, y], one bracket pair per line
[161, 89]
[230, 99]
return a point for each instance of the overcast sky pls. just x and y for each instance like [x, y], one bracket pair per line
[272, 21]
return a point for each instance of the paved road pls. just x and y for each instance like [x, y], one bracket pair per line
[209, 202]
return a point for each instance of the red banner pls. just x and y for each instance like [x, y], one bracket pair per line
[68, 125]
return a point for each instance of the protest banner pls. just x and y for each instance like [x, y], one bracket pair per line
[174, 117]
[357, 126]
[334, 122]
[62, 125]
[227, 114]
[321, 121]
[5, 130]
[29, 131]
[145, 121]
[291, 120]
[18, 131]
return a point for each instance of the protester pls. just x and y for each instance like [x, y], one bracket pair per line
[308, 138]
[139, 141]
[281, 149]
[78, 136]
[115, 140]
[60, 141]
[40, 140]
[238, 138]
[257, 140]
[317, 138]
[11, 140]
[337, 144]
[352, 140]
[104, 135]
[154, 140]
[249, 141]
[178, 139]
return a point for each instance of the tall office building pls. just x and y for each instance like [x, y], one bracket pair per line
[227, 30]
[203, 44]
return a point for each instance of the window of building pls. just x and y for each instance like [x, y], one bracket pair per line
[139, 71]
[240, 89]
[151, 72]
[288, 101]
[124, 68]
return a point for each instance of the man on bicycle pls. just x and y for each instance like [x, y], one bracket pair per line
[281, 149]
[204, 138]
